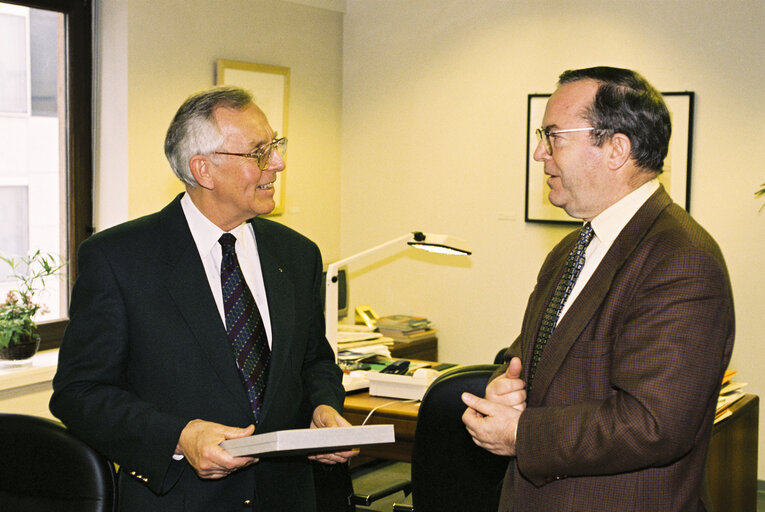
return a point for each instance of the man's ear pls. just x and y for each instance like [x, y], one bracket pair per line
[620, 149]
[201, 168]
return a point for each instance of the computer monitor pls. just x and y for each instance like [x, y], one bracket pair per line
[343, 291]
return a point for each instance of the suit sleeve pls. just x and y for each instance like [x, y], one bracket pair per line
[667, 358]
[90, 393]
[322, 378]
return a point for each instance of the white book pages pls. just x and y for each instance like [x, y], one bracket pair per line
[309, 440]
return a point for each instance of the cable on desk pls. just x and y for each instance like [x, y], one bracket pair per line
[385, 405]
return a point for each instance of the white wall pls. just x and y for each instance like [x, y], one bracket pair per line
[434, 132]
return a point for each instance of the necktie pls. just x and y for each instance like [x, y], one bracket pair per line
[244, 325]
[574, 264]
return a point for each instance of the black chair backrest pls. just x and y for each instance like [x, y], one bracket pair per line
[44, 467]
[500, 357]
[449, 471]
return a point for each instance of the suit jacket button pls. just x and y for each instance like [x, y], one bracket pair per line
[247, 503]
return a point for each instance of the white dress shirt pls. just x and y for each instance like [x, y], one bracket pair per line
[607, 225]
[206, 236]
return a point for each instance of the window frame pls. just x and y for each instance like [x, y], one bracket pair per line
[78, 27]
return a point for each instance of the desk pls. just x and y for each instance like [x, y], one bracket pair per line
[732, 460]
[731, 464]
[401, 414]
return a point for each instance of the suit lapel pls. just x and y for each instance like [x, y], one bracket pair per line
[280, 294]
[186, 281]
[593, 294]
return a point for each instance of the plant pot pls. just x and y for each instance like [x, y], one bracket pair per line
[20, 352]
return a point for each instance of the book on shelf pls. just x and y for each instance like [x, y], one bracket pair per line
[423, 334]
[402, 323]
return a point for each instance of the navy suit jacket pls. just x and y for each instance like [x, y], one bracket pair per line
[146, 351]
[620, 413]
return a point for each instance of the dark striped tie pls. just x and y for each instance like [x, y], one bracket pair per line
[574, 264]
[244, 326]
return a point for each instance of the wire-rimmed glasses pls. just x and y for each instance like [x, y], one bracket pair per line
[264, 153]
[543, 135]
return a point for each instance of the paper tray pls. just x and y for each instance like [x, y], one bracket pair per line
[406, 387]
[309, 440]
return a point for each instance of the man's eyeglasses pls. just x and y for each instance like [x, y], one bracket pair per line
[264, 153]
[543, 135]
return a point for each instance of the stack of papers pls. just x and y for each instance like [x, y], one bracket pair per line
[730, 393]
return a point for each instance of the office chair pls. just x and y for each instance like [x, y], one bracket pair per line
[449, 472]
[500, 357]
[44, 467]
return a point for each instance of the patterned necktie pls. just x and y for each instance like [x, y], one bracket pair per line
[574, 264]
[244, 325]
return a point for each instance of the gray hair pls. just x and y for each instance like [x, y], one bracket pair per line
[194, 131]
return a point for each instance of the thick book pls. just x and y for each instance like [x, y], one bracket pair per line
[309, 440]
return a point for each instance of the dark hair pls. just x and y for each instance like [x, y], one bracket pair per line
[626, 103]
[194, 131]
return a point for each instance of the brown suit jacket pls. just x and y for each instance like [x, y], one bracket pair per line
[621, 410]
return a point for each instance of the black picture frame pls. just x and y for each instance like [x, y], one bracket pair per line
[676, 177]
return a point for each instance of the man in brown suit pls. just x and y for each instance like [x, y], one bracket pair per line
[613, 410]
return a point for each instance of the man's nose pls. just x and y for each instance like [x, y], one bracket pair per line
[276, 162]
[540, 153]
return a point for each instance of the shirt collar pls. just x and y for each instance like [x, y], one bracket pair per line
[610, 222]
[205, 233]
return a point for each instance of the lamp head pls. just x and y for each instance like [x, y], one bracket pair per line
[441, 244]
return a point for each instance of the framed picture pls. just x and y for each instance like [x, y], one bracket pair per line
[676, 177]
[367, 315]
[270, 87]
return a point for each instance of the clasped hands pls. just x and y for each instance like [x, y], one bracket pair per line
[200, 442]
[492, 421]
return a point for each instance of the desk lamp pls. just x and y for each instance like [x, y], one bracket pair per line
[441, 244]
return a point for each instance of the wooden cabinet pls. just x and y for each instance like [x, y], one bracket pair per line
[424, 350]
[732, 460]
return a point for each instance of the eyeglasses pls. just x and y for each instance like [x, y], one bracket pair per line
[543, 135]
[264, 153]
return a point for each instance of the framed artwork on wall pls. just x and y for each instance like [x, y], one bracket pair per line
[676, 177]
[270, 87]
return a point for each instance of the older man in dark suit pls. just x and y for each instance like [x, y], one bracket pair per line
[608, 399]
[202, 323]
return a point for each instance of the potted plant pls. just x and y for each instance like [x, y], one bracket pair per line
[760, 193]
[18, 331]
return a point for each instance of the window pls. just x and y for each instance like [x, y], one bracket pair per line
[46, 140]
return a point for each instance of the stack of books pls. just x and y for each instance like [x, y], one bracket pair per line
[405, 328]
[730, 393]
[356, 341]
